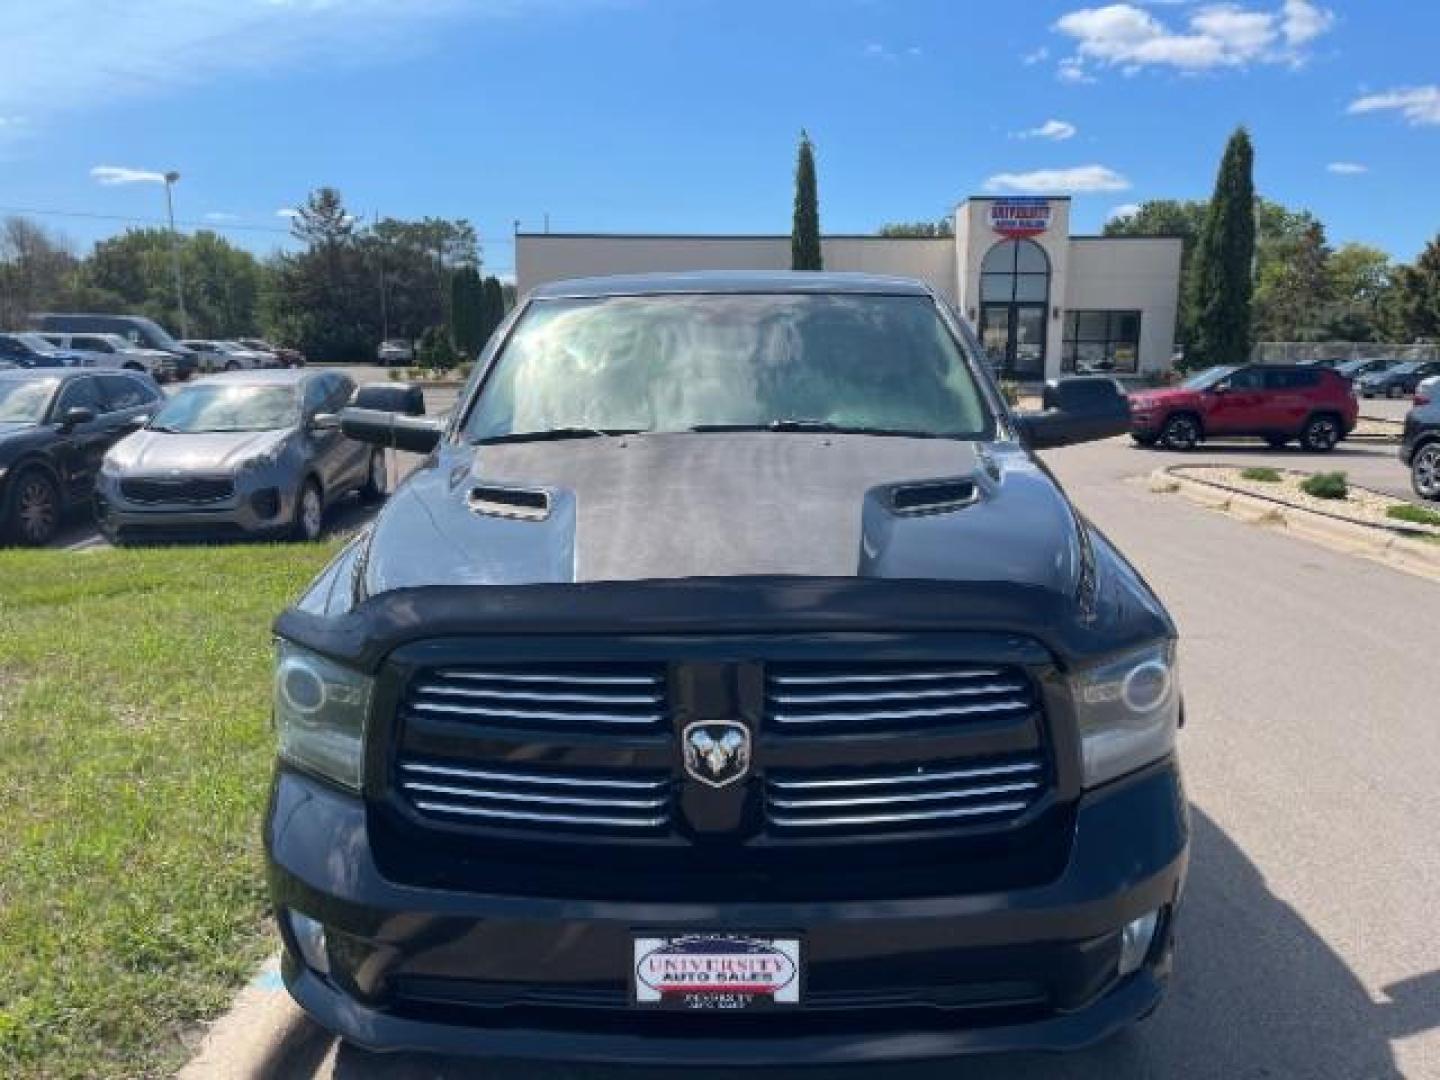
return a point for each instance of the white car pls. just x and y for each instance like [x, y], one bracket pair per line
[115, 351]
[395, 351]
[220, 355]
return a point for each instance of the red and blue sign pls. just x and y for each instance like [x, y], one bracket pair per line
[1016, 218]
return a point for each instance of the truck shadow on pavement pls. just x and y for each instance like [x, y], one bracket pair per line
[1257, 993]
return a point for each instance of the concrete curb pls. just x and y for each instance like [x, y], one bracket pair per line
[1368, 541]
[263, 1036]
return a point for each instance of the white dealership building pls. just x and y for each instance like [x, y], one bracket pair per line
[1043, 301]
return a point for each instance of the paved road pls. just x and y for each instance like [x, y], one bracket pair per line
[1308, 946]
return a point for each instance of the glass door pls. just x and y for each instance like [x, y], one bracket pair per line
[1014, 339]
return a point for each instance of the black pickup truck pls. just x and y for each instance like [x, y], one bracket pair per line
[730, 685]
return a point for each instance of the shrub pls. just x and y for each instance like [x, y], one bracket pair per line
[395, 373]
[1262, 474]
[1326, 485]
[437, 352]
[1416, 515]
[1010, 391]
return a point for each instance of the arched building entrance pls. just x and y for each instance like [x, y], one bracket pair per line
[1014, 307]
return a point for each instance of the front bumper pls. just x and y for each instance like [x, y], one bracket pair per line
[236, 517]
[546, 977]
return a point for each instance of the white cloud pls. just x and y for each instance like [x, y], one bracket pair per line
[110, 175]
[1302, 22]
[71, 55]
[1081, 179]
[1054, 130]
[1214, 36]
[287, 212]
[220, 215]
[1071, 70]
[877, 51]
[1420, 105]
[1039, 56]
[1347, 168]
[1128, 209]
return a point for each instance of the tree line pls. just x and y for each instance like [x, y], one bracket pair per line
[349, 286]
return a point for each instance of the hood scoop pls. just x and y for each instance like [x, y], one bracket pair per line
[523, 504]
[933, 497]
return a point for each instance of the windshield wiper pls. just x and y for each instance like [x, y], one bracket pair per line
[825, 426]
[555, 435]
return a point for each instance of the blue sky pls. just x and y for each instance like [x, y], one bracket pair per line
[682, 115]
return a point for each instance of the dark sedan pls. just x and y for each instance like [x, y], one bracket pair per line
[55, 427]
[1398, 381]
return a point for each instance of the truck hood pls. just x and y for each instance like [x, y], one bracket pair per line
[682, 506]
[221, 451]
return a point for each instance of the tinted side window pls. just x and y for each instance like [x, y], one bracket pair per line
[10, 348]
[94, 344]
[1290, 379]
[1246, 379]
[79, 394]
[124, 393]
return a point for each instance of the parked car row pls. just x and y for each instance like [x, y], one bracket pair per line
[254, 453]
[136, 344]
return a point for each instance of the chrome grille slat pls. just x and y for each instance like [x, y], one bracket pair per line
[864, 820]
[997, 792]
[885, 716]
[900, 695]
[829, 679]
[542, 697]
[532, 714]
[505, 777]
[978, 772]
[814, 696]
[539, 818]
[905, 797]
[535, 797]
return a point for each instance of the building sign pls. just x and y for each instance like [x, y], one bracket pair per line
[1016, 218]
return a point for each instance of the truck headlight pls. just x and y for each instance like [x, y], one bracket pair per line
[320, 711]
[1129, 710]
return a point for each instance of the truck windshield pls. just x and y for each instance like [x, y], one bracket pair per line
[778, 362]
[228, 408]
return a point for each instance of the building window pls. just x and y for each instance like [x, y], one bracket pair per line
[1015, 271]
[1101, 341]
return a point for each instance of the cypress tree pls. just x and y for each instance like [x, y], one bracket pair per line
[466, 311]
[1221, 279]
[493, 306]
[805, 233]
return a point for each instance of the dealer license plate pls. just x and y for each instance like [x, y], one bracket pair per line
[716, 971]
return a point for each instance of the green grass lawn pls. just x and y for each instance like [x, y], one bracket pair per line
[135, 753]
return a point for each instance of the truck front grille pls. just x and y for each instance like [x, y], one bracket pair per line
[939, 795]
[536, 798]
[568, 697]
[855, 697]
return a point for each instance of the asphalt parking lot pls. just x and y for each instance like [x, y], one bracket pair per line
[1307, 946]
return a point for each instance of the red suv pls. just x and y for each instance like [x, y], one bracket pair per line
[1312, 404]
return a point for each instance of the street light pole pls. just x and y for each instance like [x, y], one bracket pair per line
[170, 178]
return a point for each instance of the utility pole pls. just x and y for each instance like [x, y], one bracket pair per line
[170, 178]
